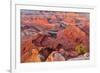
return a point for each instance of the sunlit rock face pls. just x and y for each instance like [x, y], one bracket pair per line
[48, 36]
